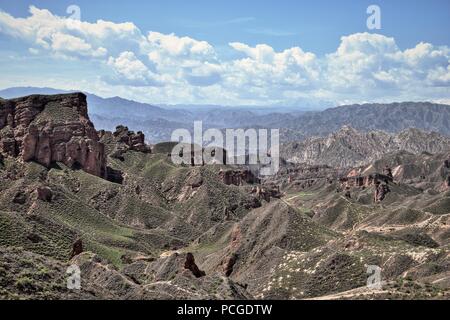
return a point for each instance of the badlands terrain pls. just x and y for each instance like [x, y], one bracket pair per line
[355, 189]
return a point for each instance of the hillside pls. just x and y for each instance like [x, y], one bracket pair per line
[392, 117]
[145, 228]
[295, 124]
[349, 147]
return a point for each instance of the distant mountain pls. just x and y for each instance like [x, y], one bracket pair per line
[107, 113]
[393, 117]
[158, 122]
[139, 226]
[349, 147]
[17, 92]
[109, 107]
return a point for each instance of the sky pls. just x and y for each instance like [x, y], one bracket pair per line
[285, 52]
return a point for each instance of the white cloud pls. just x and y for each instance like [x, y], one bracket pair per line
[61, 42]
[132, 71]
[364, 67]
[368, 63]
[68, 36]
[179, 46]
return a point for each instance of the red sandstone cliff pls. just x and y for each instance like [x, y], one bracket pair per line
[49, 129]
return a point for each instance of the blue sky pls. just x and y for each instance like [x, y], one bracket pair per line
[231, 52]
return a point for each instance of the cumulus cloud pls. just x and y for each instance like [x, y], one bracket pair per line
[271, 75]
[61, 42]
[61, 35]
[179, 46]
[367, 62]
[364, 67]
[130, 70]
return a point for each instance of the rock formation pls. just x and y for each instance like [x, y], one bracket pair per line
[388, 172]
[229, 264]
[381, 190]
[77, 248]
[114, 175]
[238, 177]
[364, 180]
[49, 129]
[349, 147]
[44, 194]
[124, 140]
[267, 192]
[191, 265]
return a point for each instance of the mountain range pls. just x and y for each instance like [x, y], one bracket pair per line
[349, 147]
[139, 226]
[158, 122]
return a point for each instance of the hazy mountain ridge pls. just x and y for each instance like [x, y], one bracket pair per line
[157, 122]
[349, 147]
[306, 232]
[295, 124]
[392, 117]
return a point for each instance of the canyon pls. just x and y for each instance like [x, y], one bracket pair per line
[141, 227]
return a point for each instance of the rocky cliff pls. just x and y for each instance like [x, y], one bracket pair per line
[122, 140]
[49, 129]
[349, 147]
[390, 117]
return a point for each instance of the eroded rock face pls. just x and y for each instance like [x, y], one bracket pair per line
[388, 172]
[350, 148]
[229, 264]
[20, 197]
[49, 129]
[77, 248]
[353, 180]
[238, 177]
[191, 265]
[267, 192]
[135, 141]
[124, 140]
[44, 194]
[381, 190]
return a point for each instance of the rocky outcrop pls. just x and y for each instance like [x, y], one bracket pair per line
[114, 175]
[267, 192]
[123, 140]
[381, 190]
[350, 148]
[191, 265]
[20, 197]
[229, 264]
[49, 129]
[44, 194]
[351, 180]
[238, 177]
[77, 248]
[388, 172]
[447, 167]
[135, 141]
